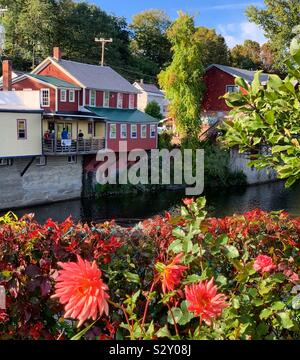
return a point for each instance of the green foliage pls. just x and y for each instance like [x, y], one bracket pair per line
[165, 140]
[277, 20]
[149, 38]
[247, 56]
[265, 120]
[182, 79]
[153, 109]
[214, 47]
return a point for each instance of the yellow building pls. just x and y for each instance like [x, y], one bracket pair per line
[20, 124]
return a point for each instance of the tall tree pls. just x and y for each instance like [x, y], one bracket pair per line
[246, 56]
[277, 21]
[267, 58]
[149, 37]
[214, 47]
[182, 79]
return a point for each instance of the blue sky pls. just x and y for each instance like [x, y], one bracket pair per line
[226, 16]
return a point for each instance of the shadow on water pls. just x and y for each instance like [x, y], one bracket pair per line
[131, 209]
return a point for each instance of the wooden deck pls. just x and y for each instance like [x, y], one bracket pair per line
[72, 147]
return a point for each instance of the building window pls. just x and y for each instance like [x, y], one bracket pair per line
[143, 131]
[232, 88]
[45, 97]
[106, 99]
[6, 162]
[113, 131]
[123, 131]
[120, 101]
[93, 98]
[131, 101]
[41, 161]
[71, 96]
[72, 159]
[21, 130]
[63, 95]
[133, 131]
[90, 128]
[152, 131]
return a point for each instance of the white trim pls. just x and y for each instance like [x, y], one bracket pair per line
[56, 99]
[121, 131]
[120, 96]
[44, 63]
[110, 132]
[83, 96]
[131, 96]
[71, 91]
[143, 125]
[133, 137]
[106, 105]
[155, 131]
[63, 91]
[49, 97]
[90, 97]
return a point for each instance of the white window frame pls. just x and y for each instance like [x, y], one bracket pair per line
[106, 99]
[94, 92]
[131, 101]
[42, 98]
[237, 88]
[132, 126]
[152, 130]
[122, 126]
[63, 95]
[143, 136]
[72, 99]
[120, 100]
[112, 135]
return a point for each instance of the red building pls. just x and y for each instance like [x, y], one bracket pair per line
[94, 104]
[220, 79]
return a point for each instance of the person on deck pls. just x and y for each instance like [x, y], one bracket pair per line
[64, 134]
[80, 135]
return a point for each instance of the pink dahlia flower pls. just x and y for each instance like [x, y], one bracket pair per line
[80, 288]
[264, 263]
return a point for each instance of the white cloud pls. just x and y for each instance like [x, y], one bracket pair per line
[233, 6]
[237, 33]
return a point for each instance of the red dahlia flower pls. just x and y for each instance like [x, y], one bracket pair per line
[80, 287]
[204, 301]
[171, 274]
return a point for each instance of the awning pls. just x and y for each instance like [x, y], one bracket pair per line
[122, 115]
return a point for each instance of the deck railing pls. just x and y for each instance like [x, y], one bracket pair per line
[82, 146]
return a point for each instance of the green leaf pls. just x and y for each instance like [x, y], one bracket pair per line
[278, 305]
[266, 313]
[82, 332]
[255, 86]
[175, 246]
[222, 240]
[187, 316]
[296, 302]
[231, 252]
[131, 277]
[163, 332]
[285, 320]
[241, 82]
[177, 313]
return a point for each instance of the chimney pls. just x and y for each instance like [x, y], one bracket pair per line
[57, 53]
[7, 75]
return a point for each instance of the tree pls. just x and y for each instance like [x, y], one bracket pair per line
[267, 58]
[277, 21]
[182, 79]
[153, 109]
[247, 56]
[149, 37]
[268, 117]
[214, 47]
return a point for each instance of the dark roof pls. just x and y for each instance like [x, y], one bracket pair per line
[122, 115]
[151, 88]
[247, 75]
[54, 81]
[97, 77]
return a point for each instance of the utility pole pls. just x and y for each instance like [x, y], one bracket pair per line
[103, 42]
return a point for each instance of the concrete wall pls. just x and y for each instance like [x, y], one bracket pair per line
[238, 162]
[10, 145]
[56, 181]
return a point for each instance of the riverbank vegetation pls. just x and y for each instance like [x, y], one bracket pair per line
[150, 281]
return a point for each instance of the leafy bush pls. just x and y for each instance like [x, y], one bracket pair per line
[178, 277]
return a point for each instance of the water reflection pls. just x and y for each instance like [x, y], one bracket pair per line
[131, 209]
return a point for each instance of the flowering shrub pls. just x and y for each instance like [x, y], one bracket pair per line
[183, 277]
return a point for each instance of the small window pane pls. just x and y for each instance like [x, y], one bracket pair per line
[21, 130]
[131, 101]
[93, 98]
[113, 131]
[123, 131]
[45, 97]
[63, 95]
[152, 131]
[106, 96]
[143, 131]
[133, 131]
[71, 96]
